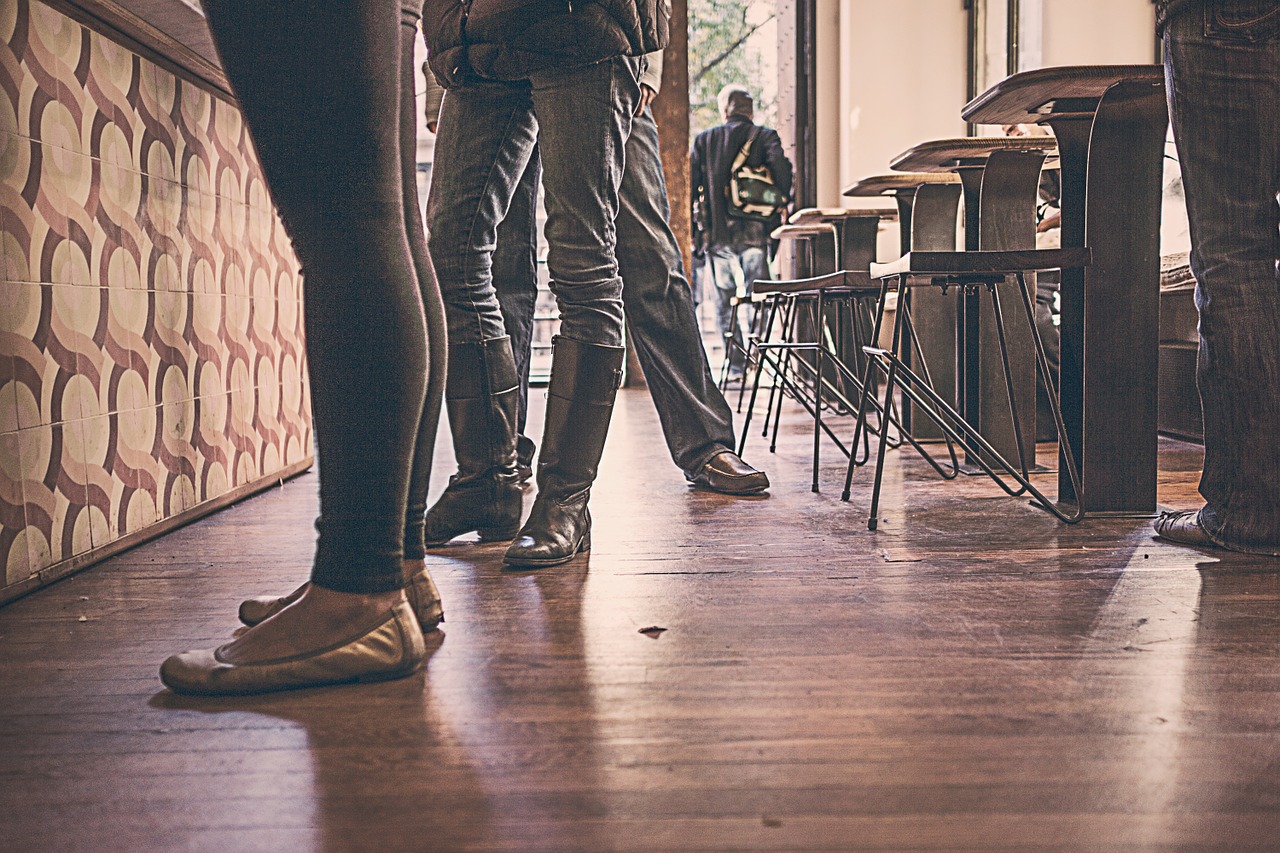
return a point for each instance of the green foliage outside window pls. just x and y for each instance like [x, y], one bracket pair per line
[721, 51]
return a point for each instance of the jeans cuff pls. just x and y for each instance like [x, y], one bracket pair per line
[705, 456]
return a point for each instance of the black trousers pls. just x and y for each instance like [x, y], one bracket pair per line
[317, 83]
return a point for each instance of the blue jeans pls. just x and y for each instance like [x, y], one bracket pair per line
[580, 120]
[660, 314]
[726, 261]
[1222, 69]
[515, 279]
[695, 418]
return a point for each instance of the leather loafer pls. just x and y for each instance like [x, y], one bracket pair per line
[419, 588]
[390, 646]
[1184, 528]
[728, 474]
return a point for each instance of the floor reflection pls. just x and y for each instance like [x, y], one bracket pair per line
[374, 751]
[519, 701]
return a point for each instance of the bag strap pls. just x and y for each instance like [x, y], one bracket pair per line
[745, 153]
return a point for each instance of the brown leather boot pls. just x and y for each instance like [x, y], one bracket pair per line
[584, 383]
[481, 396]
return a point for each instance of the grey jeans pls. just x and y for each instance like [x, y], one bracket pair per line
[661, 322]
[580, 120]
[1222, 67]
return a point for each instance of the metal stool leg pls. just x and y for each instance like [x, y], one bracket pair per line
[873, 520]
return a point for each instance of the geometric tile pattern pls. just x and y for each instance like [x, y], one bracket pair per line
[151, 342]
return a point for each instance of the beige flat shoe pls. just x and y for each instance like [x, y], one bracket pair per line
[419, 588]
[390, 646]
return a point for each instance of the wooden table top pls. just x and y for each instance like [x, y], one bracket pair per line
[810, 215]
[874, 185]
[943, 155]
[809, 229]
[1032, 97]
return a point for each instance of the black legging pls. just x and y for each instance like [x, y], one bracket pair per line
[316, 83]
[432, 303]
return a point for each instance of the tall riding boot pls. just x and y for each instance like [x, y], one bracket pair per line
[481, 395]
[584, 382]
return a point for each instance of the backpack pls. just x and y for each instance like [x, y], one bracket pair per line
[751, 191]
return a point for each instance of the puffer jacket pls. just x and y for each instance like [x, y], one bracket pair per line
[509, 39]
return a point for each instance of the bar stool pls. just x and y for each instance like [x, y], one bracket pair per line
[1000, 179]
[928, 210]
[819, 362]
[973, 273]
[813, 247]
[857, 232]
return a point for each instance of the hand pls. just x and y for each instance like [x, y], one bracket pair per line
[432, 125]
[646, 98]
[1053, 220]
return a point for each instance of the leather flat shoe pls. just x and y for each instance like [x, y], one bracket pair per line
[1184, 528]
[728, 474]
[419, 588]
[260, 608]
[390, 646]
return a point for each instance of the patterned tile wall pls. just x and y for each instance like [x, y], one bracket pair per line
[151, 346]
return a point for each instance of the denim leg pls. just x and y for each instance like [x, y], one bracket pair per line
[1224, 97]
[698, 276]
[584, 118]
[659, 306]
[1047, 286]
[752, 260]
[487, 136]
[515, 275]
[725, 270]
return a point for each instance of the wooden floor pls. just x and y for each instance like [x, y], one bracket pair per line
[974, 676]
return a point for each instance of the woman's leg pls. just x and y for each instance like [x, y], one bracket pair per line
[433, 306]
[421, 590]
[315, 84]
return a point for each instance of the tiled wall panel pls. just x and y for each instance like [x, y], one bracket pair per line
[151, 345]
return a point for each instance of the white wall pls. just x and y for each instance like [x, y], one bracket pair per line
[901, 69]
[892, 74]
[1098, 32]
[829, 83]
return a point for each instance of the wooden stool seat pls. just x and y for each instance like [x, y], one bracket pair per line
[980, 265]
[945, 155]
[897, 182]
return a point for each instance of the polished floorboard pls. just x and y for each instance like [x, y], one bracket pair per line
[973, 676]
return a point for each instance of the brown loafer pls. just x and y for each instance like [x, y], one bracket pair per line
[728, 474]
[419, 588]
[389, 647]
[1184, 528]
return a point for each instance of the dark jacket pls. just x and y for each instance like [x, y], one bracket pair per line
[713, 153]
[510, 39]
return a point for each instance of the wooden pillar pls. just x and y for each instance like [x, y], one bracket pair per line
[671, 111]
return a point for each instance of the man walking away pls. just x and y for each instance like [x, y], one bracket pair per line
[736, 246]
